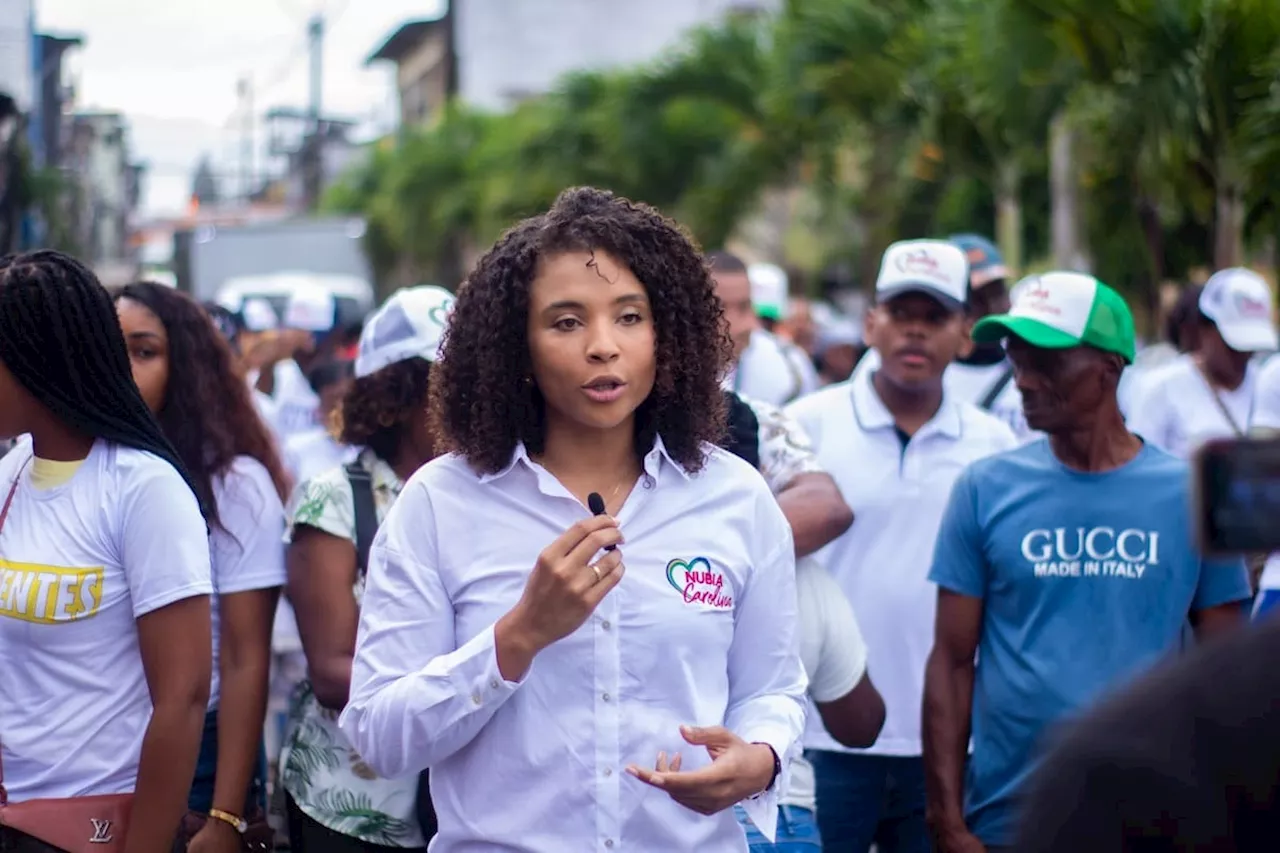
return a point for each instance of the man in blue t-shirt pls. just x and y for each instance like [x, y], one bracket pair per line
[1067, 565]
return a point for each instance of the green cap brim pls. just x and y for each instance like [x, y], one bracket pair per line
[769, 312]
[990, 330]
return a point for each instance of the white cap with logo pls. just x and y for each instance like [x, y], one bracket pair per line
[936, 268]
[1239, 303]
[410, 324]
[310, 308]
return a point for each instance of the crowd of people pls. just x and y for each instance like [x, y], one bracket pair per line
[619, 546]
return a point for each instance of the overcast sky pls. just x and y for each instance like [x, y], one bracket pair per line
[172, 68]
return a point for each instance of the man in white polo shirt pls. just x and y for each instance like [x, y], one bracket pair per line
[895, 443]
[1210, 393]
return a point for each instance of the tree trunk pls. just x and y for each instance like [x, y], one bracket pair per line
[1064, 190]
[1153, 237]
[1009, 214]
[1228, 237]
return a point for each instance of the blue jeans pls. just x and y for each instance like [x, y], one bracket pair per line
[201, 797]
[797, 832]
[866, 799]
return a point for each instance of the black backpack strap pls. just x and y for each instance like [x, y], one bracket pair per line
[366, 514]
[997, 389]
[742, 438]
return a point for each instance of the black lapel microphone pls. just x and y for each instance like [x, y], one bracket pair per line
[596, 504]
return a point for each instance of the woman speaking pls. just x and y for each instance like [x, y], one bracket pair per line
[579, 681]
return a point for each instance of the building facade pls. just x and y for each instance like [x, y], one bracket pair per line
[493, 54]
[107, 186]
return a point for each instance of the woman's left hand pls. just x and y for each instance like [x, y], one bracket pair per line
[737, 770]
[216, 836]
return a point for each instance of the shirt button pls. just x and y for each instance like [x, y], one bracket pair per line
[605, 697]
[606, 625]
[648, 484]
[494, 684]
[608, 842]
[475, 697]
[608, 771]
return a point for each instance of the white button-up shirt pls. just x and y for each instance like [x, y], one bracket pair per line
[701, 631]
[897, 492]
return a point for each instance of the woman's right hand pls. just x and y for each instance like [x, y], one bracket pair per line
[563, 589]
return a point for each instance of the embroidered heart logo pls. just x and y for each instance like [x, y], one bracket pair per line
[678, 571]
[698, 583]
[440, 313]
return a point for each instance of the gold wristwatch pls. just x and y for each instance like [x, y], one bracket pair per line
[226, 817]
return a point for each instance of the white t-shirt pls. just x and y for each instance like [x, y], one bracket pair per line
[312, 452]
[247, 549]
[834, 657]
[79, 564]
[1266, 396]
[973, 382]
[767, 372]
[1175, 408]
[297, 406]
[1266, 417]
[266, 410]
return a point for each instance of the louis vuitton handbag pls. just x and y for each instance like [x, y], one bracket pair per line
[94, 824]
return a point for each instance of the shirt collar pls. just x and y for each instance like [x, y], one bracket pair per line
[653, 462]
[871, 413]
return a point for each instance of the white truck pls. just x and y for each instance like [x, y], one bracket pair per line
[265, 258]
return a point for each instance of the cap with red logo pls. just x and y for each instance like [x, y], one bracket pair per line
[935, 268]
[1060, 310]
[1238, 301]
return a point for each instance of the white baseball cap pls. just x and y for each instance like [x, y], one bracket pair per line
[937, 268]
[410, 324]
[1239, 303]
[258, 315]
[310, 308]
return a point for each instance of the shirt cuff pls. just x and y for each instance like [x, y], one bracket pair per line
[763, 807]
[474, 671]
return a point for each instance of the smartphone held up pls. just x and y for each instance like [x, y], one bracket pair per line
[1237, 495]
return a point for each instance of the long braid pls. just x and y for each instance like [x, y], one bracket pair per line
[60, 338]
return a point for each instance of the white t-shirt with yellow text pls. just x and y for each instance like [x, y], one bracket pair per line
[79, 563]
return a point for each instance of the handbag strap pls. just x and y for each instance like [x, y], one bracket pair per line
[366, 513]
[996, 390]
[1222, 405]
[4, 516]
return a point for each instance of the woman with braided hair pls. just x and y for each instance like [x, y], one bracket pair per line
[104, 579]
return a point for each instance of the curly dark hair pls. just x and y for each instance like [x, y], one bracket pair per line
[208, 413]
[481, 407]
[379, 408]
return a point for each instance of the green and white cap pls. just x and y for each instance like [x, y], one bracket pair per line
[1060, 310]
[769, 290]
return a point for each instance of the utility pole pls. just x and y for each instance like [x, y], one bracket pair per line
[245, 90]
[313, 148]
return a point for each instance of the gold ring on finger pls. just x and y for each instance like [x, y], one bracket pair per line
[595, 569]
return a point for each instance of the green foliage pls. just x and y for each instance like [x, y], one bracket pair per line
[883, 119]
